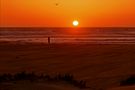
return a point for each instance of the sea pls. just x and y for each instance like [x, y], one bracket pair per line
[93, 35]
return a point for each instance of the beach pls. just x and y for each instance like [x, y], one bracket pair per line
[67, 44]
[102, 66]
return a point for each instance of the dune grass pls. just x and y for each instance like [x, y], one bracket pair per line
[32, 77]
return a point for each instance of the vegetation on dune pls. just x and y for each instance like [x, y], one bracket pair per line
[68, 78]
[129, 81]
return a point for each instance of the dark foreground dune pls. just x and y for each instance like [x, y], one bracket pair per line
[101, 66]
[25, 85]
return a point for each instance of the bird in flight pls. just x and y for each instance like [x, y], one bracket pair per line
[56, 4]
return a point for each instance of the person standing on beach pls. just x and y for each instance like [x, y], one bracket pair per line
[49, 40]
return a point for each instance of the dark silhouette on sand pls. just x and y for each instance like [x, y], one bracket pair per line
[49, 40]
[129, 81]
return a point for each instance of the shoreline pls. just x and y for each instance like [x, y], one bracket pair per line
[66, 43]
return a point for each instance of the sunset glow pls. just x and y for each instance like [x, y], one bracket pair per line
[75, 23]
[60, 13]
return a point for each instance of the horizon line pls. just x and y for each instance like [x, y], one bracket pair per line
[67, 27]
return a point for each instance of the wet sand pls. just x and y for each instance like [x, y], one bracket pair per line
[101, 65]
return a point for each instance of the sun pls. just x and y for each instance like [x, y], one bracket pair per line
[75, 23]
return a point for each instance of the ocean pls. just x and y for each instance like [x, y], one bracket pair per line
[104, 35]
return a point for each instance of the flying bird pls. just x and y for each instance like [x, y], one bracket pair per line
[56, 4]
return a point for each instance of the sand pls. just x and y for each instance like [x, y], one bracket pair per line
[26, 85]
[124, 88]
[101, 66]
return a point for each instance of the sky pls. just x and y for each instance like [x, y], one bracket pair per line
[45, 13]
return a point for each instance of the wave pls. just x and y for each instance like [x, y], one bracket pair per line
[61, 35]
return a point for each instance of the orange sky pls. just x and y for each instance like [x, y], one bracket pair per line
[90, 13]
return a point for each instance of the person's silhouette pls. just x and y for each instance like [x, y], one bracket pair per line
[49, 41]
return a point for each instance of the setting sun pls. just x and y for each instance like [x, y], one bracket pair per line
[75, 23]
